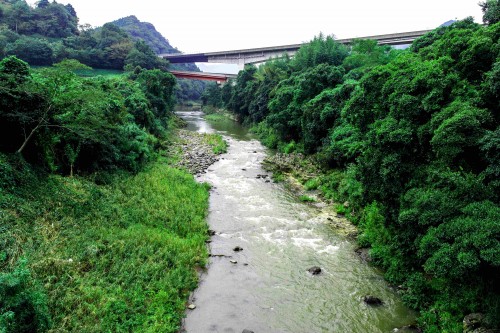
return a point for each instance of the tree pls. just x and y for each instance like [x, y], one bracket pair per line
[143, 56]
[71, 10]
[21, 109]
[43, 4]
[158, 86]
[32, 50]
[491, 11]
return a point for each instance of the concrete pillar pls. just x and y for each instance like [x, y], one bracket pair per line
[241, 63]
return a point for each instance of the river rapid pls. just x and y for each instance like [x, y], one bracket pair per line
[266, 287]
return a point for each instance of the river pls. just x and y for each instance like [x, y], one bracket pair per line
[266, 287]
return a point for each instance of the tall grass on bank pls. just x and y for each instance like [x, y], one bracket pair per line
[216, 141]
[118, 257]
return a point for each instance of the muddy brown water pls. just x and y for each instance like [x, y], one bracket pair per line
[266, 287]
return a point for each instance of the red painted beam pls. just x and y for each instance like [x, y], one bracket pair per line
[202, 76]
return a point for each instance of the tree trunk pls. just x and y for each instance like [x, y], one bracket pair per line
[20, 150]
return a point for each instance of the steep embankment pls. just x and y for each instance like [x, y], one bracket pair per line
[82, 256]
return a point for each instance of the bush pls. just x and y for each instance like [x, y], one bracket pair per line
[23, 304]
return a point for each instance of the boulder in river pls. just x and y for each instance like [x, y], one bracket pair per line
[473, 323]
[372, 300]
[413, 328]
[315, 270]
[247, 331]
[238, 249]
[191, 306]
[364, 254]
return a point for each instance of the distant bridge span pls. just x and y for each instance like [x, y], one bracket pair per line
[219, 78]
[259, 55]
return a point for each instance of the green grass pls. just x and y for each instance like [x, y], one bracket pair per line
[278, 176]
[306, 198]
[312, 184]
[215, 117]
[219, 146]
[99, 72]
[119, 257]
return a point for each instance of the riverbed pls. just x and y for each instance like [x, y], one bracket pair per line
[265, 286]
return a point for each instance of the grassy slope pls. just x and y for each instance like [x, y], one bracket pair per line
[111, 258]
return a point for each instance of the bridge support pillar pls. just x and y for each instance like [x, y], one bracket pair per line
[241, 63]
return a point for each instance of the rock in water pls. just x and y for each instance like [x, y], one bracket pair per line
[234, 262]
[413, 328]
[191, 306]
[372, 300]
[238, 249]
[315, 270]
[472, 322]
[247, 331]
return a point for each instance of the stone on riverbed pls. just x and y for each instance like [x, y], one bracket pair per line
[473, 323]
[315, 270]
[413, 328]
[196, 155]
[238, 249]
[247, 331]
[372, 300]
[191, 306]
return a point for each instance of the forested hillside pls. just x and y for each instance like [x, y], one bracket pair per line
[187, 90]
[147, 32]
[411, 139]
[49, 33]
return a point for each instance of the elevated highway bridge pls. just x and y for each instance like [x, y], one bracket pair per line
[259, 55]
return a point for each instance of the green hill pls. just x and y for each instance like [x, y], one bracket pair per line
[147, 32]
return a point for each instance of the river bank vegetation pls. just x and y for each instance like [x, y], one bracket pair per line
[410, 139]
[98, 232]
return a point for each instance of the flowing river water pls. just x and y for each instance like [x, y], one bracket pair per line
[266, 287]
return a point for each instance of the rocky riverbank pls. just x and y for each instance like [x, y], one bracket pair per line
[295, 170]
[195, 152]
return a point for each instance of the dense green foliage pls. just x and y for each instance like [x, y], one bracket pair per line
[49, 33]
[85, 245]
[414, 138]
[77, 256]
[61, 121]
[146, 32]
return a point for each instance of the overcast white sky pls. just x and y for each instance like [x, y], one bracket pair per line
[219, 25]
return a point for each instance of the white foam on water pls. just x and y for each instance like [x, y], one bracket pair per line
[238, 235]
[329, 249]
[307, 242]
[271, 239]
